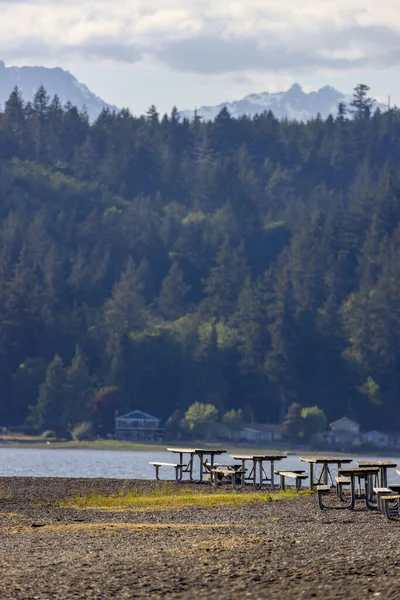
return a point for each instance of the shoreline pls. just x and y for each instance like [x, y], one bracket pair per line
[117, 446]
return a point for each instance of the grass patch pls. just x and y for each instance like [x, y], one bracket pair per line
[165, 497]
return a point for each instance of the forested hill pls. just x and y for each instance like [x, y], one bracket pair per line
[247, 263]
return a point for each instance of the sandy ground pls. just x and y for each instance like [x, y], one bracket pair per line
[287, 549]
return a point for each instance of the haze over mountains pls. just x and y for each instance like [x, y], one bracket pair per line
[294, 104]
[55, 81]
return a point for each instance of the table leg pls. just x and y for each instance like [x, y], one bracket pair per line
[200, 455]
[272, 475]
[384, 476]
[311, 476]
[368, 490]
[260, 470]
[212, 459]
[353, 492]
[181, 463]
[191, 467]
[325, 474]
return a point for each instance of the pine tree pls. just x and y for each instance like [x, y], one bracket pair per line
[226, 280]
[80, 390]
[49, 412]
[125, 310]
[362, 104]
[171, 301]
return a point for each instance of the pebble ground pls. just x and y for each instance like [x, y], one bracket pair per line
[287, 549]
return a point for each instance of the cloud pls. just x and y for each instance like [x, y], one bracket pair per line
[204, 36]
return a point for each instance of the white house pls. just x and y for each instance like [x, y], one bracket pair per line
[138, 425]
[261, 433]
[382, 439]
[344, 432]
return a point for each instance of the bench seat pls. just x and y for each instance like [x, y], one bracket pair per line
[162, 464]
[236, 475]
[381, 492]
[342, 480]
[177, 466]
[323, 489]
[391, 513]
[296, 475]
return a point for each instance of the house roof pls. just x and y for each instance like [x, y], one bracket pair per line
[343, 420]
[265, 427]
[388, 433]
[138, 414]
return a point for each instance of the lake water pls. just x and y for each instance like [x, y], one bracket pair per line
[32, 462]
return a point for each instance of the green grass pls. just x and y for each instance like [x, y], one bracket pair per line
[166, 497]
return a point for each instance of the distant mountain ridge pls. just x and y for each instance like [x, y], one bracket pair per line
[55, 81]
[294, 104]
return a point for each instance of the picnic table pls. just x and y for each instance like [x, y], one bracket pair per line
[365, 474]
[201, 453]
[383, 466]
[258, 475]
[325, 462]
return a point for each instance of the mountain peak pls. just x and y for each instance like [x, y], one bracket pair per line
[56, 81]
[295, 89]
[292, 104]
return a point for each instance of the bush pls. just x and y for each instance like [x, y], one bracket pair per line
[82, 431]
[48, 434]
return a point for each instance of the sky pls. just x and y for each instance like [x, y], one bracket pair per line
[189, 53]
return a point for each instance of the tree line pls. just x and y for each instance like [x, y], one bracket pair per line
[156, 263]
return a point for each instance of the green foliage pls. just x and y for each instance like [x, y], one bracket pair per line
[233, 420]
[292, 425]
[303, 423]
[314, 421]
[251, 263]
[372, 390]
[200, 419]
[102, 409]
[49, 434]
[82, 431]
[49, 410]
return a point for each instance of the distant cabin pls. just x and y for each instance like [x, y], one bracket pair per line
[344, 432]
[261, 433]
[138, 426]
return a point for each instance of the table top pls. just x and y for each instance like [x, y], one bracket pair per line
[376, 463]
[258, 457]
[195, 451]
[359, 470]
[325, 460]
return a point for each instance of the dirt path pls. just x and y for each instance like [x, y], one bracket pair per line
[286, 549]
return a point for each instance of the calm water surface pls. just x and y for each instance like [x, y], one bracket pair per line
[118, 464]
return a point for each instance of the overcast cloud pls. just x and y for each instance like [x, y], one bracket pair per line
[204, 36]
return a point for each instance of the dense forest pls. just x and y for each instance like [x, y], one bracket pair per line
[152, 263]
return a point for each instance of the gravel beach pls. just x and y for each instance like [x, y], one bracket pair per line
[286, 549]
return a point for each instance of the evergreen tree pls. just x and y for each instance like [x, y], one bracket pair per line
[125, 311]
[80, 390]
[171, 301]
[49, 412]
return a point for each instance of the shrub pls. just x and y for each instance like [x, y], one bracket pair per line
[49, 433]
[82, 431]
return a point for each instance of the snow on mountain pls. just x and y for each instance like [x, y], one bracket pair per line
[55, 81]
[294, 104]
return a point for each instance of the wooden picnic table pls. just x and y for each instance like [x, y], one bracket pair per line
[383, 466]
[201, 453]
[361, 473]
[325, 461]
[257, 474]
